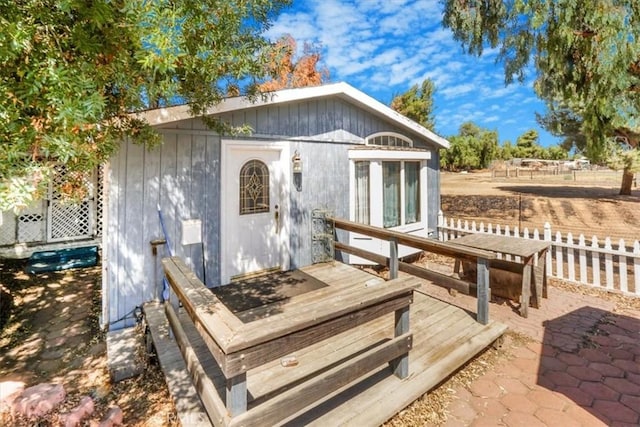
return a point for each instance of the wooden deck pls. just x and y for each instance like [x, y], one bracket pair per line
[444, 338]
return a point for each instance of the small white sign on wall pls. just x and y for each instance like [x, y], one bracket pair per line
[191, 231]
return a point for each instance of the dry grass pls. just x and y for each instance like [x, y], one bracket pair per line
[431, 408]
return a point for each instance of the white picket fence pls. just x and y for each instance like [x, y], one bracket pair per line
[580, 261]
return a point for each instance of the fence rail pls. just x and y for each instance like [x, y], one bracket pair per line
[614, 266]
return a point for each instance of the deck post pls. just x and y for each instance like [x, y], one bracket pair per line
[400, 365]
[483, 291]
[237, 394]
[393, 259]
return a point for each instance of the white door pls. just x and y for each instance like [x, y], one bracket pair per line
[254, 221]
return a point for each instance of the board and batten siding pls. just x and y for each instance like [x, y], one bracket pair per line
[183, 177]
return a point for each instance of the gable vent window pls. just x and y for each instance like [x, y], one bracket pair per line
[389, 139]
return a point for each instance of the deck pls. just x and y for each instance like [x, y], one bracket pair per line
[445, 337]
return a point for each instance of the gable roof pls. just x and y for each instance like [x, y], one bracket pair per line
[342, 90]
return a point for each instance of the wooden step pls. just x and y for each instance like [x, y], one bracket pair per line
[189, 408]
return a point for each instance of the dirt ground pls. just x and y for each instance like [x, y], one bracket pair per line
[50, 332]
[580, 208]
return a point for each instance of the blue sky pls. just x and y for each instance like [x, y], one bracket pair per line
[383, 47]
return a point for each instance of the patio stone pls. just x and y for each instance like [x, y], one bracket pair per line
[616, 411]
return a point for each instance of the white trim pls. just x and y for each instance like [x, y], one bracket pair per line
[225, 232]
[161, 116]
[388, 155]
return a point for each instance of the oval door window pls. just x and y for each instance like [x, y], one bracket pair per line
[254, 187]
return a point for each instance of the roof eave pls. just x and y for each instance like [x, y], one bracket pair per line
[161, 116]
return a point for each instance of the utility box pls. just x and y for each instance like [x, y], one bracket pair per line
[191, 231]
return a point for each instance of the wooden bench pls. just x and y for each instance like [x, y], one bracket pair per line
[239, 346]
[530, 272]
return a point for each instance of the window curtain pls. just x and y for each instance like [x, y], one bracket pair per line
[362, 192]
[391, 194]
[412, 192]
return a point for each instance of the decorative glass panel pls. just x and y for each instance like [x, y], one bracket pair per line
[391, 194]
[362, 192]
[411, 192]
[254, 187]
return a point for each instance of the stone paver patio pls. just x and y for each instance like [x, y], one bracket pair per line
[582, 367]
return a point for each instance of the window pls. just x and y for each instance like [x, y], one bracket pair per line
[391, 192]
[411, 192]
[389, 139]
[388, 186]
[254, 187]
[362, 192]
[387, 192]
[398, 193]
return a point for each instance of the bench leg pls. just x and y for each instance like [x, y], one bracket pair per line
[237, 394]
[538, 282]
[526, 288]
[400, 366]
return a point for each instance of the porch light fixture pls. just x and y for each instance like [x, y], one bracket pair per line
[296, 163]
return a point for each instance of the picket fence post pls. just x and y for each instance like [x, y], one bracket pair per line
[582, 254]
[622, 266]
[571, 267]
[595, 261]
[547, 237]
[608, 263]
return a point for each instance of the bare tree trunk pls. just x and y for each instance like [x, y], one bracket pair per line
[627, 181]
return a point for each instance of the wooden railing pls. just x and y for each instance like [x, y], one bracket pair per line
[480, 257]
[239, 346]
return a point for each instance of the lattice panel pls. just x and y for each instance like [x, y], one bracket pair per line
[69, 220]
[31, 224]
[8, 228]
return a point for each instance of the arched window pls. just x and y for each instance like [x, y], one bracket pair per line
[389, 139]
[254, 187]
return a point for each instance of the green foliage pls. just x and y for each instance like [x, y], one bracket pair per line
[73, 71]
[472, 148]
[586, 55]
[417, 104]
[623, 157]
[476, 148]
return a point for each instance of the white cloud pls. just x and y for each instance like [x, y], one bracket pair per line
[385, 46]
[457, 90]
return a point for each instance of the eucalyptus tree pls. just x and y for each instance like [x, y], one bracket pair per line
[73, 71]
[586, 56]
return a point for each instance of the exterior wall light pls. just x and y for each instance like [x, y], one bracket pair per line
[296, 167]
[297, 162]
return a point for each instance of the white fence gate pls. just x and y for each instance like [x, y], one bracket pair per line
[52, 220]
[614, 267]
